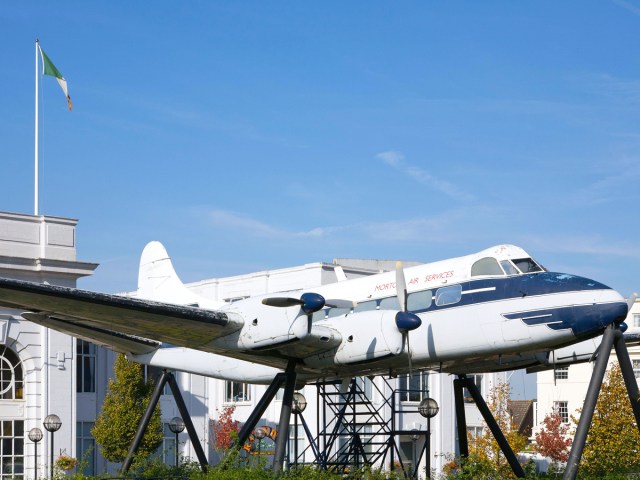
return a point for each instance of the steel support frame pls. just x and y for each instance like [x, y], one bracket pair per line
[389, 450]
[146, 419]
[488, 417]
[285, 418]
[612, 337]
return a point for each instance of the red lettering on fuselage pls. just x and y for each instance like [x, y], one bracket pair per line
[382, 287]
[385, 286]
[438, 276]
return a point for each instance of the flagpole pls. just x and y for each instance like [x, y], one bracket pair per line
[35, 202]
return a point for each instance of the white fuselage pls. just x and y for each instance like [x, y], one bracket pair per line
[478, 313]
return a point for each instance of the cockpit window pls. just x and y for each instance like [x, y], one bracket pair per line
[509, 267]
[486, 266]
[527, 265]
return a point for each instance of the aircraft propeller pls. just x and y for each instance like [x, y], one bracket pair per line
[631, 300]
[405, 320]
[309, 302]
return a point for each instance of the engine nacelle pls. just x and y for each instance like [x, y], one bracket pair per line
[366, 336]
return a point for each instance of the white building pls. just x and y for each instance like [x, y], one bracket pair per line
[564, 389]
[44, 372]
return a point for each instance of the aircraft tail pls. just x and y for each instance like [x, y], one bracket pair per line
[158, 281]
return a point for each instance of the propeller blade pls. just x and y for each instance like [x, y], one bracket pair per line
[282, 301]
[401, 287]
[309, 302]
[409, 355]
[631, 300]
[339, 303]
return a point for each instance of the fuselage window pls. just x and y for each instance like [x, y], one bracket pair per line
[390, 303]
[527, 265]
[419, 300]
[366, 306]
[336, 312]
[319, 315]
[486, 266]
[448, 295]
[509, 267]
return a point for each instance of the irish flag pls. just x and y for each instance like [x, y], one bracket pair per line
[50, 69]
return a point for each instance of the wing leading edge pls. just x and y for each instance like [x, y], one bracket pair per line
[81, 310]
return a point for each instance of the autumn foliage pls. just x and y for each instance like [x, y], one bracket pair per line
[552, 440]
[613, 443]
[225, 429]
[484, 449]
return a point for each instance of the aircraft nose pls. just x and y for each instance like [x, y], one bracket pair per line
[609, 307]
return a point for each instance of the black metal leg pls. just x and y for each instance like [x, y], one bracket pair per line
[262, 405]
[628, 375]
[495, 428]
[144, 423]
[184, 413]
[589, 406]
[285, 417]
[461, 419]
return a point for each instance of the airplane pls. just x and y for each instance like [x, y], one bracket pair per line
[494, 310]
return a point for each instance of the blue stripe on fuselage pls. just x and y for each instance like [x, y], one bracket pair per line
[582, 320]
[520, 286]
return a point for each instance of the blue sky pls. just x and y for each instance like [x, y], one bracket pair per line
[257, 135]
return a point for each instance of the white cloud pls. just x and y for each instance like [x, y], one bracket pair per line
[396, 160]
[240, 222]
[628, 6]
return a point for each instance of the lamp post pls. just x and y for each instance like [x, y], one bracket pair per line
[52, 424]
[35, 435]
[428, 408]
[298, 405]
[259, 433]
[176, 425]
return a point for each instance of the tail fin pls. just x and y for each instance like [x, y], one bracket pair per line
[158, 281]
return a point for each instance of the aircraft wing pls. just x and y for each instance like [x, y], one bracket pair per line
[78, 312]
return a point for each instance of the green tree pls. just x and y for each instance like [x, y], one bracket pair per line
[124, 405]
[613, 442]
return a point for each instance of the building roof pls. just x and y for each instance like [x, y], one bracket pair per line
[521, 412]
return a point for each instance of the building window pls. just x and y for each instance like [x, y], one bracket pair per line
[414, 388]
[11, 376]
[636, 319]
[408, 449]
[166, 452]
[561, 373]
[86, 366]
[636, 368]
[85, 448]
[562, 408]
[474, 431]
[299, 441]
[237, 392]
[365, 386]
[477, 380]
[11, 449]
